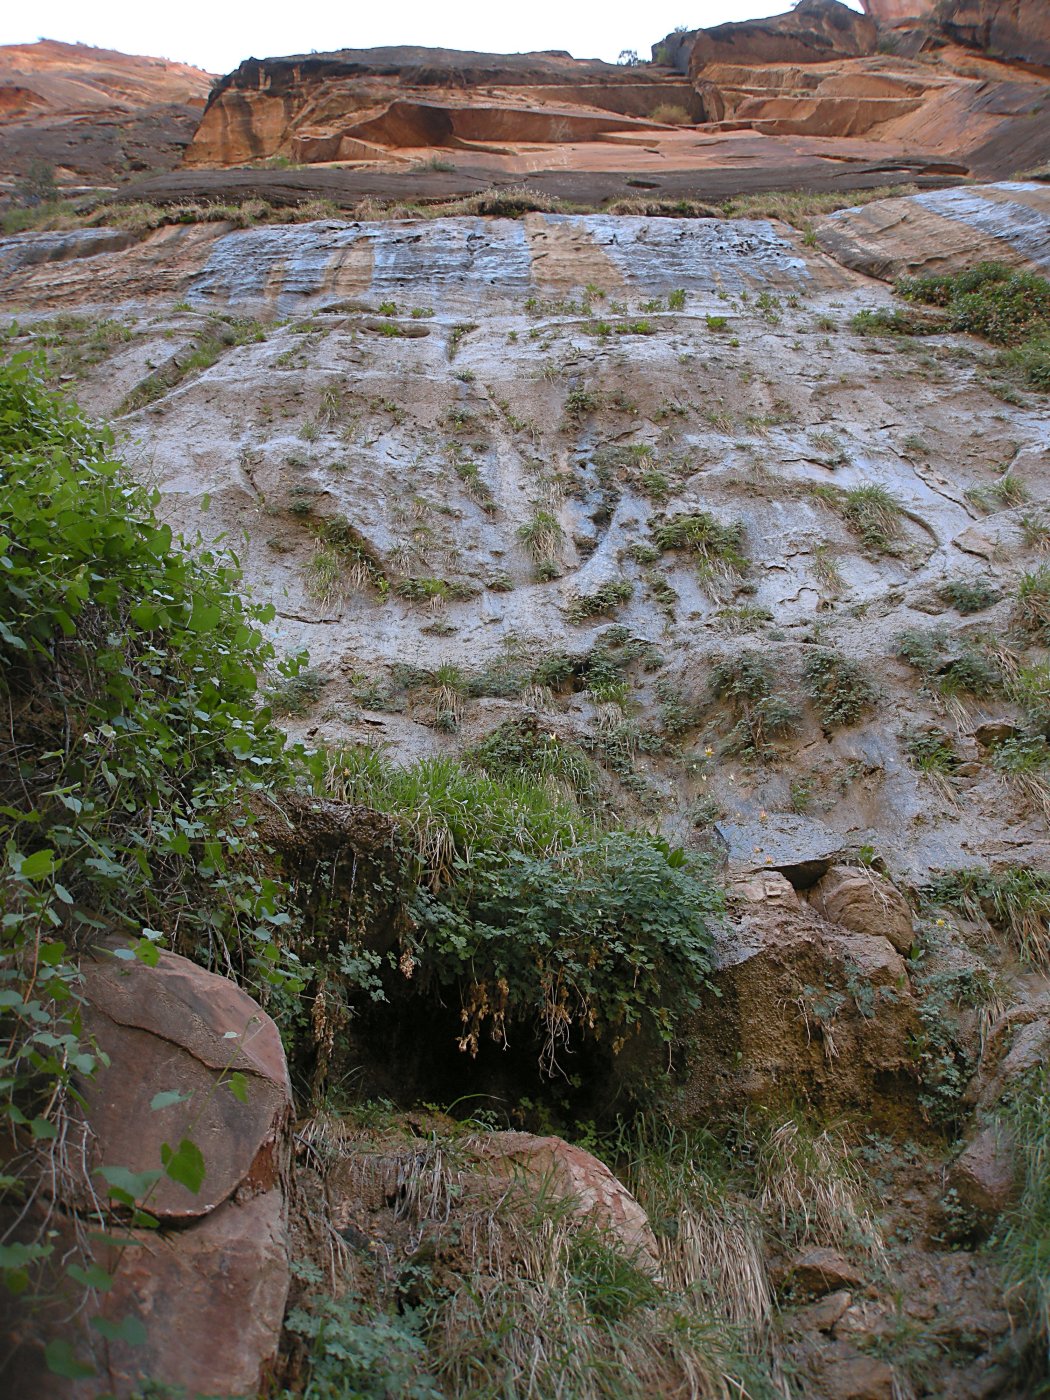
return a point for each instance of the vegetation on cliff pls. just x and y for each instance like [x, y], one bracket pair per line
[137, 759]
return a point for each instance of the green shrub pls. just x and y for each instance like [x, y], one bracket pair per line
[533, 915]
[132, 745]
[1007, 307]
[840, 689]
[968, 596]
[891, 322]
[763, 713]
[355, 1351]
[950, 668]
[605, 599]
[296, 691]
[990, 300]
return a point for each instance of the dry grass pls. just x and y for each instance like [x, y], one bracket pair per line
[812, 1191]
[528, 1298]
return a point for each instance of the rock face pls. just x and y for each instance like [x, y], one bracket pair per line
[362, 104]
[944, 231]
[216, 1268]
[864, 902]
[890, 12]
[94, 113]
[814, 31]
[1015, 30]
[803, 1012]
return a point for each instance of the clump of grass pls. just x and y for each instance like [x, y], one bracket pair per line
[763, 713]
[1032, 605]
[541, 536]
[931, 751]
[841, 689]
[1025, 1245]
[719, 550]
[1035, 530]
[1003, 494]
[1016, 901]
[800, 207]
[748, 617]
[873, 514]
[869, 511]
[813, 1191]
[606, 598]
[521, 748]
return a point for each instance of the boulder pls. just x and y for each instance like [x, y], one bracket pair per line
[864, 902]
[822, 1315]
[215, 1270]
[819, 1271]
[813, 32]
[568, 1171]
[858, 1378]
[801, 1011]
[984, 1175]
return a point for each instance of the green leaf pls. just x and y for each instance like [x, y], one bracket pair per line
[42, 1129]
[39, 864]
[127, 1186]
[61, 1361]
[166, 1098]
[184, 1164]
[130, 1329]
[238, 1086]
[91, 1277]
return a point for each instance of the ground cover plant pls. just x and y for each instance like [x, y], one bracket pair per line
[1002, 305]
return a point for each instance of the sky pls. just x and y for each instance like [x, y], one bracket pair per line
[216, 36]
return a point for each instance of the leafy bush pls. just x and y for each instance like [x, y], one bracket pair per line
[358, 1352]
[1007, 307]
[533, 915]
[839, 688]
[132, 741]
[603, 938]
[990, 300]
[950, 668]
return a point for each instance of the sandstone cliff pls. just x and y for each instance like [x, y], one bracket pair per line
[94, 114]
